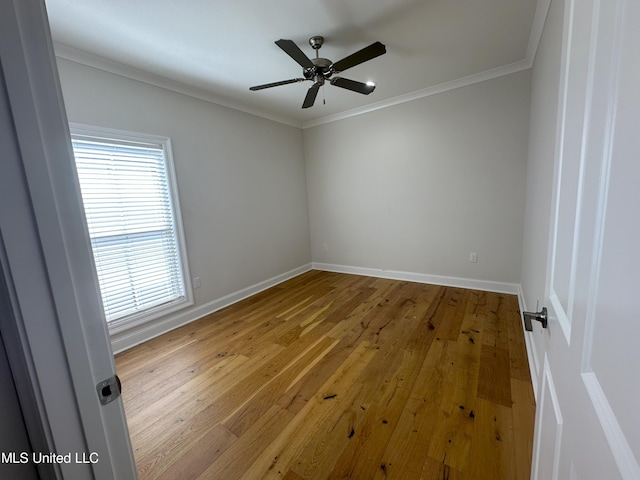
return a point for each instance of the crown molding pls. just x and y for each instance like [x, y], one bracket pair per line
[78, 56]
[425, 92]
[540, 16]
[88, 59]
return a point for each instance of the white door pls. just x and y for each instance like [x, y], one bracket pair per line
[588, 401]
[57, 334]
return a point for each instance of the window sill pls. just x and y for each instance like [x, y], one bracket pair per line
[148, 316]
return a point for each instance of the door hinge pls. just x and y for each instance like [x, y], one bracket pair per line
[109, 389]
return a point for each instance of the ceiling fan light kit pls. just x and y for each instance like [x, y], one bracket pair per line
[319, 69]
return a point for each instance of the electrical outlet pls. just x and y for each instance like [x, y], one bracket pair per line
[196, 282]
[473, 257]
[325, 247]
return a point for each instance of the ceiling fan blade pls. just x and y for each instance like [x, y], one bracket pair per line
[291, 49]
[352, 85]
[367, 53]
[276, 84]
[310, 99]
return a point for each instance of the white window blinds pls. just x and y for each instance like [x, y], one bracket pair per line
[132, 224]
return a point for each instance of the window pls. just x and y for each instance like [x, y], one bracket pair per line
[131, 205]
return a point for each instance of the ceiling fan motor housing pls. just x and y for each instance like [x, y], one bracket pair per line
[322, 66]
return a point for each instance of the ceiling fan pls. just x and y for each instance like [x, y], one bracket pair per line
[320, 69]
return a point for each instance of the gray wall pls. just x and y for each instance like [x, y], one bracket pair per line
[241, 178]
[417, 186]
[414, 187]
[542, 142]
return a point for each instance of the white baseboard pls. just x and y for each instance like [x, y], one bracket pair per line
[532, 356]
[489, 286]
[137, 335]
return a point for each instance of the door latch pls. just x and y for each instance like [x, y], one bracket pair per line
[109, 389]
[540, 316]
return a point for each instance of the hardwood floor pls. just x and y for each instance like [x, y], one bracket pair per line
[332, 376]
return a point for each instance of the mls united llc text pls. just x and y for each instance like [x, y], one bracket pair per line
[39, 457]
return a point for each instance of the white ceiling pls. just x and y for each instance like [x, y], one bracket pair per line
[217, 49]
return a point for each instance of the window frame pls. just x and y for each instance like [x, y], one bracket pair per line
[153, 313]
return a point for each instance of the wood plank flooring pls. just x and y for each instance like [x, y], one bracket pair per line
[332, 376]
